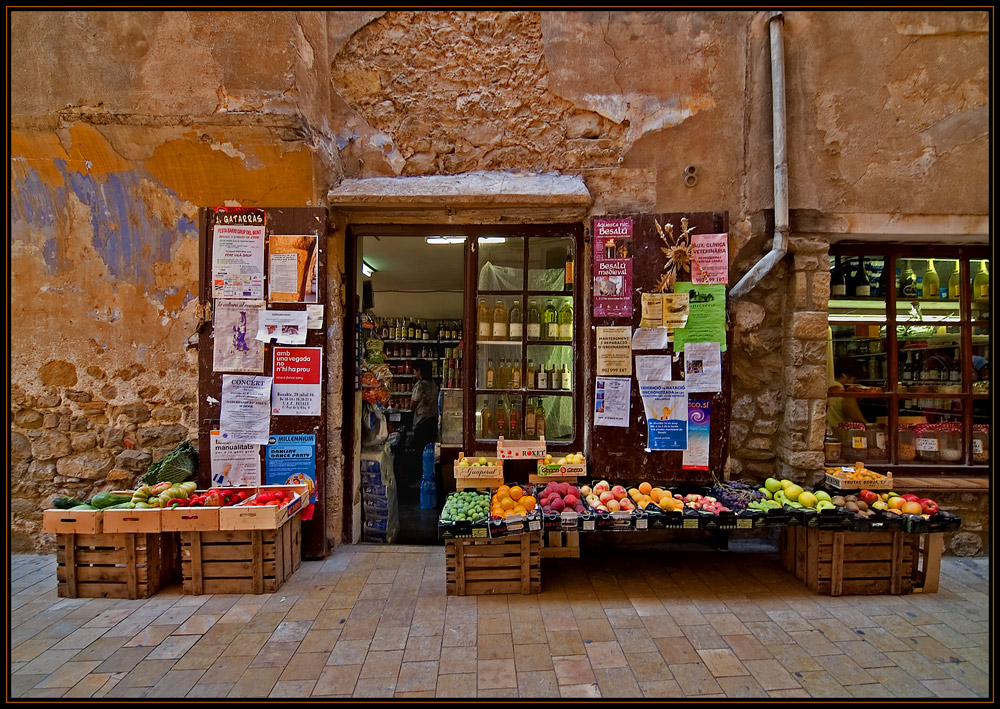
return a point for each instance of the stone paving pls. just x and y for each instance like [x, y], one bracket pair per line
[374, 621]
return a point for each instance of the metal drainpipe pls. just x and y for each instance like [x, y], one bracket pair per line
[779, 246]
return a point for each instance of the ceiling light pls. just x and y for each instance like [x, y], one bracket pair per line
[445, 239]
[367, 270]
[492, 240]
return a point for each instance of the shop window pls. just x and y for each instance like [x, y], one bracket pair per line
[908, 356]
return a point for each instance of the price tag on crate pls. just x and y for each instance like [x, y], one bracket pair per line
[690, 524]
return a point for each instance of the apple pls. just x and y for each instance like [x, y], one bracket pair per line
[586, 490]
[910, 497]
[463, 463]
[613, 505]
[928, 505]
[484, 461]
[619, 492]
[601, 486]
[867, 496]
[607, 496]
[627, 505]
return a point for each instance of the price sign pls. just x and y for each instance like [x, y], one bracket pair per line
[977, 445]
[744, 523]
[927, 444]
[690, 524]
[859, 442]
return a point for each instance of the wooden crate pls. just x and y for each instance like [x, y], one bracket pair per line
[121, 565]
[838, 563]
[478, 567]
[240, 561]
[72, 522]
[133, 521]
[561, 545]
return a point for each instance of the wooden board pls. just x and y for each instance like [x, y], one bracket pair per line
[72, 522]
[133, 521]
[121, 565]
[561, 545]
[490, 566]
[621, 452]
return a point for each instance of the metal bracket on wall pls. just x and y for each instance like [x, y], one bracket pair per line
[204, 313]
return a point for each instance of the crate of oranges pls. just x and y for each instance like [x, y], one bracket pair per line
[514, 510]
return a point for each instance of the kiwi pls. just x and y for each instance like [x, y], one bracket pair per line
[839, 501]
[862, 505]
[852, 507]
[851, 498]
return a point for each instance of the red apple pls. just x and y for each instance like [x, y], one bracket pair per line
[619, 492]
[928, 506]
[607, 496]
[910, 497]
[867, 496]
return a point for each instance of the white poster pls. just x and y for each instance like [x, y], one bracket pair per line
[238, 261]
[246, 408]
[314, 317]
[653, 368]
[234, 464]
[650, 338]
[286, 326]
[297, 381]
[703, 366]
[612, 399]
[292, 268]
[282, 274]
[235, 348]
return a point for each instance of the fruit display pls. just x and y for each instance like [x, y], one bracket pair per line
[512, 500]
[466, 505]
[481, 462]
[703, 503]
[559, 497]
[270, 498]
[856, 476]
[644, 495]
[570, 464]
[606, 498]
[736, 495]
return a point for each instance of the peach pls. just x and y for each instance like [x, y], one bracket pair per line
[619, 492]
[627, 505]
[613, 505]
[606, 496]
[601, 486]
[558, 505]
[570, 500]
[586, 490]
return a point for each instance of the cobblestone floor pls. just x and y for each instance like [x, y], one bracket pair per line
[375, 622]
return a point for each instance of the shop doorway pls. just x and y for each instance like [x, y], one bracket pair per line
[411, 294]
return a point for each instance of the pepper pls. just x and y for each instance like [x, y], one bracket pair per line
[160, 487]
[179, 502]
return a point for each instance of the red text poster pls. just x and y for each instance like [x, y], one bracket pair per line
[710, 259]
[612, 267]
[296, 390]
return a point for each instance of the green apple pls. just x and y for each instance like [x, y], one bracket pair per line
[825, 505]
[484, 461]
[766, 493]
[822, 495]
[463, 463]
[793, 491]
[773, 484]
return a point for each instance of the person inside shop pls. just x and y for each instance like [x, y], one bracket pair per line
[980, 368]
[842, 408]
[424, 404]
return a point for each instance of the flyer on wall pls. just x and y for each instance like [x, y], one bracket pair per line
[612, 267]
[292, 268]
[238, 261]
[289, 327]
[703, 366]
[699, 428]
[706, 318]
[614, 351]
[235, 349]
[612, 399]
[666, 412]
[297, 381]
[234, 464]
[245, 415]
[290, 459]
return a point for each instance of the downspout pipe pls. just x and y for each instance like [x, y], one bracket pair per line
[779, 246]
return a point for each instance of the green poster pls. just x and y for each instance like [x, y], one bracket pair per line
[707, 316]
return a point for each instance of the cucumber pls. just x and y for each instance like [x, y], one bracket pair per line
[82, 507]
[66, 503]
[123, 506]
[107, 499]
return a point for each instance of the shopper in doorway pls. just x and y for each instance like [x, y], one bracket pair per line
[424, 404]
[842, 408]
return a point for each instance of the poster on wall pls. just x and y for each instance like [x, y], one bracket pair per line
[699, 427]
[238, 253]
[612, 267]
[612, 398]
[709, 259]
[292, 268]
[297, 388]
[291, 460]
[666, 412]
[614, 351]
[235, 349]
[289, 327]
[706, 318]
[703, 366]
[234, 464]
[245, 411]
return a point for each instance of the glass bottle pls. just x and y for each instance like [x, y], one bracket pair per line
[554, 378]
[534, 322]
[486, 421]
[543, 378]
[953, 284]
[499, 321]
[551, 322]
[932, 283]
[505, 374]
[529, 421]
[529, 378]
[485, 320]
[908, 283]
[514, 330]
[410, 330]
[501, 419]
[566, 321]
[908, 368]
[568, 277]
[981, 287]
[514, 421]
[490, 375]
[515, 374]
[539, 420]
[838, 286]
[862, 285]
[566, 379]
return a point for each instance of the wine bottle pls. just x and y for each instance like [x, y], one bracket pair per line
[932, 283]
[529, 421]
[838, 286]
[540, 420]
[485, 320]
[862, 284]
[499, 321]
[534, 322]
[514, 330]
[568, 277]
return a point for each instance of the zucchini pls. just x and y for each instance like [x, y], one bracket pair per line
[122, 506]
[82, 507]
[66, 503]
[107, 499]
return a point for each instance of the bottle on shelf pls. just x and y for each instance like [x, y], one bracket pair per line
[515, 374]
[838, 286]
[501, 419]
[411, 331]
[954, 284]
[543, 378]
[908, 283]
[490, 375]
[566, 321]
[568, 277]
[534, 322]
[514, 328]
[385, 330]
[499, 321]
[486, 421]
[566, 383]
[932, 282]
[981, 292]
[484, 318]
[883, 279]
[529, 421]
[918, 366]
[514, 421]
[504, 379]
[907, 373]
[539, 420]
[550, 321]
[862, 284]
[529, 376]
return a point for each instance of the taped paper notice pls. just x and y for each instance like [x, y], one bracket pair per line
[245, 415]
[292, 268]
[614, 351]
[699, 428]
[286, 326]
[234, 464]
[238, 261]
[612, 399]
[709, 258]
[653, 368]
[652, 310]
[666, 412]
[314, 317]
[650, 338]
[703, 366]
[234, 347]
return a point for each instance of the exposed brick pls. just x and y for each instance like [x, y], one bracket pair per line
[57, 373]
[79, 396]
[88, 465]
[133, 460]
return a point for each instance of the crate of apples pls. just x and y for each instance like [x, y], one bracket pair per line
[606, 498]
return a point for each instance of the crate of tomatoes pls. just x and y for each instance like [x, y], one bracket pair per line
[269, 508]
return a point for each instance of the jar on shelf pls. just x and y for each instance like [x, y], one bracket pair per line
[854, 439]
[878, 444]
[927, 442]
[950, 437]
[980, 443]
[832, 447]
[905, 446]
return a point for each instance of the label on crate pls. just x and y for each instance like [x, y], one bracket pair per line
[744, 524]
[478, 471]
[977, 445]
[927, 444]
[483, 532]
[642, 523]
[690, 524]
[859, 442]
[588, 525]
[534, 525]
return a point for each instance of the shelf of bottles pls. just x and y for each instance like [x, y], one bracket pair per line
[915, 373]
[525, 337]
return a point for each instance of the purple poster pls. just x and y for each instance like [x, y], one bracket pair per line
[612, 268]
[699, 428]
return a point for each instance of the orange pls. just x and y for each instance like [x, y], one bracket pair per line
[519, 510]
[507, 503]
[503, 489]
[516, 492]
[529, 502]
[644, 488]
[655, 493]
[911, 508]
[497, 511]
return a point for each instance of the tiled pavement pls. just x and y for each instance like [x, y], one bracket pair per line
[373, 621]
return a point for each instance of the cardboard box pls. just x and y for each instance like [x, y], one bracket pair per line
[72, 522]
